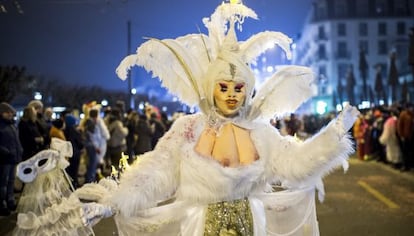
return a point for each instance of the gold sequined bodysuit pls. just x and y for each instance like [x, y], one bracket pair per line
[229, 218]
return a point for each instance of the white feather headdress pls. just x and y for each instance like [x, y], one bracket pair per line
[184, 64]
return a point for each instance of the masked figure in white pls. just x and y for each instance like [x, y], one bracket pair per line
[212, 172]
[47, 205]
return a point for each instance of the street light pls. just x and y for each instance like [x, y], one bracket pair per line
[104, 103]
[321, 107]
[38, 96]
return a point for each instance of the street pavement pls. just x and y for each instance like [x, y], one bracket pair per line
[370, 199]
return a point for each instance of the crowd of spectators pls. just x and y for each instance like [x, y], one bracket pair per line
[103, 136]
[385, 134]
[99, 140]
[382, 133]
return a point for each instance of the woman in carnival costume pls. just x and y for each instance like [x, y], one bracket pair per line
[212, 172]
[47, 205]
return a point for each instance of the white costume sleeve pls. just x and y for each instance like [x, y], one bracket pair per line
[104, 130]
[153, 178]
[299, 161]
[385, 137]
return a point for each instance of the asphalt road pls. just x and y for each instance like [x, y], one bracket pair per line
[370, 199]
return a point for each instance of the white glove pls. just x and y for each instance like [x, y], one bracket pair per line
[92, 213]
[347, 118]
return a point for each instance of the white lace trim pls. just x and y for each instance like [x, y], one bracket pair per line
[59, 219]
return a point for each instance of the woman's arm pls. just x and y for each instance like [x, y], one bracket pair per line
[153, 178]
[300, 161]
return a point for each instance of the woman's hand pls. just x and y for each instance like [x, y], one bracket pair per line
[347, 118]
[93, 212]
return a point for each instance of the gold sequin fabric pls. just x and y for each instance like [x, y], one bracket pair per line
[229, 218]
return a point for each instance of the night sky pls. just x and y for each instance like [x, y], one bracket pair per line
[83, 41]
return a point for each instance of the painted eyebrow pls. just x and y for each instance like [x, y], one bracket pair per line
[239, 86]
[223, 85]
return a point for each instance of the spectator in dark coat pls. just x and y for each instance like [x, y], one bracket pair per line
[292, 125]
[41, 122]
[165, 121]
[132, 137]
[144, 133]
[158, 129]
[10, 156]
[29, 135]
[73, 135]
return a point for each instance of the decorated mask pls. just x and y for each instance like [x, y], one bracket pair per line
[229, 96]
[43, 162]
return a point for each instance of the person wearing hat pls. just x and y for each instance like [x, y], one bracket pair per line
[29, 134]
[10, 155]
[56, 131]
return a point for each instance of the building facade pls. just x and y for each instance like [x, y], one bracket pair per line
[349, 43]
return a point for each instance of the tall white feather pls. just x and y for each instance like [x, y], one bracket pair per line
[172, 62]
[283, 93]
[217, 23]
[259, 43]
[168, 61]
[199, 47]
[123, 68]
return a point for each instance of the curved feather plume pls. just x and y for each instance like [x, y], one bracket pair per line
[198, 45]
[208, 51]
[176, 61]
[259, 43]
[170, 62]
[179, 64]
[283, 93]
[217, 23]
[123, 68]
